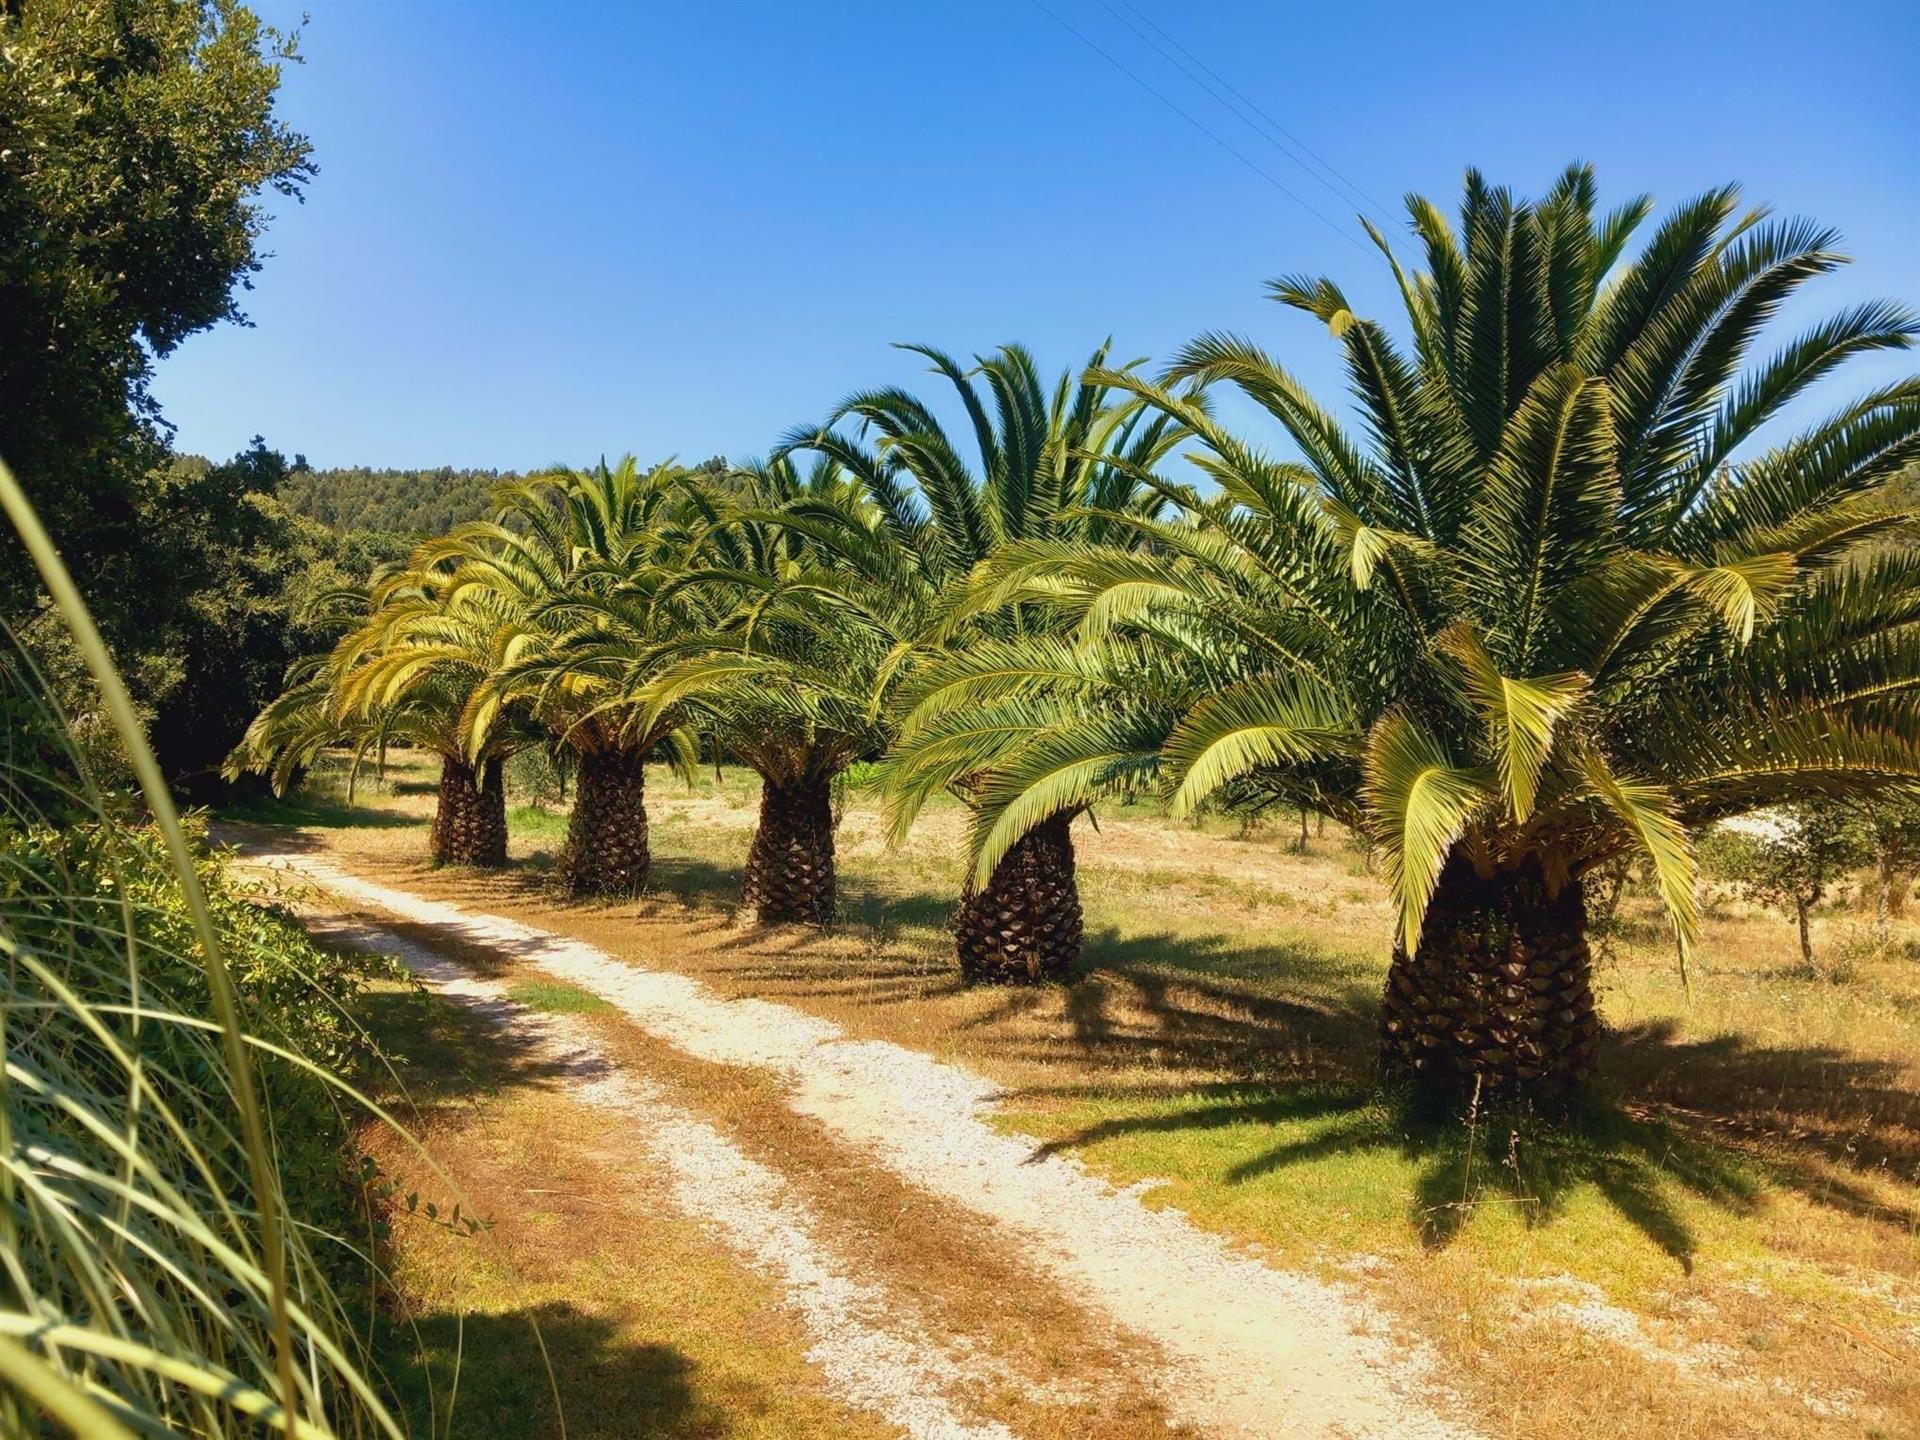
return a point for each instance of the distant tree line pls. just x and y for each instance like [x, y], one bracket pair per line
[411, 504]
[390, 502]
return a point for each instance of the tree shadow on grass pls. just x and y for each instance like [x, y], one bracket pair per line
[692, 882]
[1823, 1120]
[1459, 1169]
[1213, 1005]
[676, 884]
[1296, 1027]
[1298, 964]
[489, 1367]
[443, 1055]
[1636, 1152]
[254, 808]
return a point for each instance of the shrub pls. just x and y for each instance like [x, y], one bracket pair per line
[539, 777]
[1727, 855]
[79, 898]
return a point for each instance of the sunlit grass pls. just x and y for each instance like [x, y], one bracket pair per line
[537, 824]
[556, 997]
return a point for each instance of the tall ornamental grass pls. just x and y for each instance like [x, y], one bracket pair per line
[182, 1251]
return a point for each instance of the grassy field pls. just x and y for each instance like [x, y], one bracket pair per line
[1729, 1243]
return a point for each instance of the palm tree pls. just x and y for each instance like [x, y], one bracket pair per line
[1065, 465]
[1560, 602]
[776, 661]
[409, 672]
[575, 559]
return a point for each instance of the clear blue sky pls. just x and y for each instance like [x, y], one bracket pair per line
[546, 232]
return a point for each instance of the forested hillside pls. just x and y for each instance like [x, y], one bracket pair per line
[392, 502]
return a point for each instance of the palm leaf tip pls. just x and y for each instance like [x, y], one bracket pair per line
[1648, 813]
[1261, 725]
[1421, 803]
[1521, 715]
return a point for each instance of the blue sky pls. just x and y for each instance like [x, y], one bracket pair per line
[546, 232]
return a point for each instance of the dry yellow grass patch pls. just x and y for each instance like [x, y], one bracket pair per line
[650, 1326]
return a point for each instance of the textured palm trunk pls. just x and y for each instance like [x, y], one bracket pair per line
[1024, 925]
[1496, 1003]
[790, 873]
[606, 851]
[470, 822]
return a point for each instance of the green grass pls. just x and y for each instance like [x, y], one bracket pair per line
[319, 808]
[1327, 1168]
[556, 997]
[536, 823]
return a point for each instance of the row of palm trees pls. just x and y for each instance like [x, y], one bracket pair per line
[1555, 601]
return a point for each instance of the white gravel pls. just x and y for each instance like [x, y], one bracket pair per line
[872, 1353]
[1252, 1351]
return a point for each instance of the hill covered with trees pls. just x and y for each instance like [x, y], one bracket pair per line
[390, 502]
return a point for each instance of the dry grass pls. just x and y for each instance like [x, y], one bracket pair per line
[1730, 1244]
[651, 1327]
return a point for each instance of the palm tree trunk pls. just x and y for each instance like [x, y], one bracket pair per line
[1497, 1000]
[1025, 925]
[790, 872]
[606, 851]
[470, 822]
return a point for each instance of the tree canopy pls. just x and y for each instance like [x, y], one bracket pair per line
[136, 140]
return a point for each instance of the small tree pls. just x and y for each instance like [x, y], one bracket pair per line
[1794, 866]
[1893, 822]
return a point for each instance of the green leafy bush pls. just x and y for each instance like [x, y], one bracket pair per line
[1726, 855]
[539, 776]
[111, 884]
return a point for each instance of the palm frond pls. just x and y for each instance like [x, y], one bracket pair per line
[1420, 803]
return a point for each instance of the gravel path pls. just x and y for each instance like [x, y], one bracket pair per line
[1252, 1351]
[872, 1351]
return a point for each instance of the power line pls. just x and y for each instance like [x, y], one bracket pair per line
[1352, 191]
[1240, 103]
[1210, 134]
